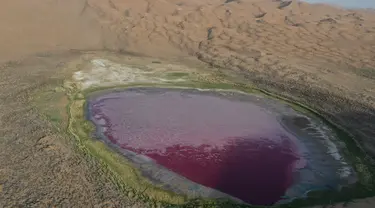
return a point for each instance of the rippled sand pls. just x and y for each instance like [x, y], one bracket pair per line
[320, 55]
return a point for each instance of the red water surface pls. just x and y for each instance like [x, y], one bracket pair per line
[235, 147]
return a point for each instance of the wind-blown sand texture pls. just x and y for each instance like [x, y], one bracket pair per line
[318, 55]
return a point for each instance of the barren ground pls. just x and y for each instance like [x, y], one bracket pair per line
[318, 55]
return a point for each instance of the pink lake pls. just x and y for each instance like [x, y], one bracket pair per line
[233, 146]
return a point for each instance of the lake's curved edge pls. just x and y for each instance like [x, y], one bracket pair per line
[341, 132]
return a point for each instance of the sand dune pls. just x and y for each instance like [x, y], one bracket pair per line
[290, 47]
[322, 46]
[319, 44]
[29, 27]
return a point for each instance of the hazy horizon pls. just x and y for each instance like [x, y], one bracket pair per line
[347, 3]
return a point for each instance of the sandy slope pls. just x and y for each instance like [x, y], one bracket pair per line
[320, 46]
[314, 43]
[29, 27]
[317, 54]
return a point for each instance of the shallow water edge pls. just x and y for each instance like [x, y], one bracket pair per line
[121, 88]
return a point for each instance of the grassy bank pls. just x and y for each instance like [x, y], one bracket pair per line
[129, 179]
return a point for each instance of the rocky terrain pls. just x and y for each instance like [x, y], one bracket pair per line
[318, 55]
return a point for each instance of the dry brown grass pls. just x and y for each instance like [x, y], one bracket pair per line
[315, 54]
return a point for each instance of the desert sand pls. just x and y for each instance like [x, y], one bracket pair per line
[317, 54]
